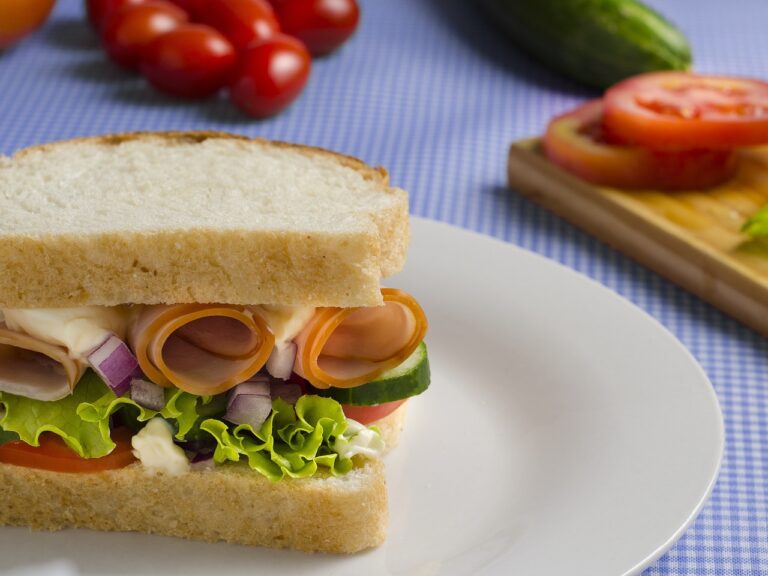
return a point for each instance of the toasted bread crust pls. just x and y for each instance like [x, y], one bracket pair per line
[243, 266]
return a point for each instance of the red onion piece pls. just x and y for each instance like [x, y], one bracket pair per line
[147, 394]
[281, 360]
[256, 386]
[287, 391]
[114, 362]
[249, 403]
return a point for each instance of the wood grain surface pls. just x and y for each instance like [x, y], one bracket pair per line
[693, 238]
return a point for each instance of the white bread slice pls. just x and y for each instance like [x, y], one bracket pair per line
[230, 503]
[195, 217]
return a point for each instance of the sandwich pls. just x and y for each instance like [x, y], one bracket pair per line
[195, 342]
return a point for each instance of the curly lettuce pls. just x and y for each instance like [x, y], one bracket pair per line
[295, 441]
[83, 419]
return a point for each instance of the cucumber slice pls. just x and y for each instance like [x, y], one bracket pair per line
[408, 379]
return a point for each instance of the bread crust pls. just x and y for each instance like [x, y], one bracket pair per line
[208, 265]
[230, 503]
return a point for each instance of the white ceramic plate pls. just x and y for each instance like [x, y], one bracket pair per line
[566, 432]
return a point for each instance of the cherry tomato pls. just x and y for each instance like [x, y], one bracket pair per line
[677, 110]
[244, 22]
[370, 414]
[99, 10]
[126, 33]
[20, 17]
[270, 75]
[323, 25]
[575, 142]
[189, 6]
[53, 454]
[192, 61]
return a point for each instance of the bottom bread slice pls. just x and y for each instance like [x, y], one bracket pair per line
[229, 503]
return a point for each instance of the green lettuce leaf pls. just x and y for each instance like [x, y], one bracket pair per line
[7, 436]
[757, 225]
[294, 441]
[83, 418]
[30, 418]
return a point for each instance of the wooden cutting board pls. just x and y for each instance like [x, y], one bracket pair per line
[692, 238]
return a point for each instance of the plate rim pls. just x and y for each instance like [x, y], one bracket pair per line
[624, 301]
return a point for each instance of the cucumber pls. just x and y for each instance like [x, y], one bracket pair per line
[595, 42]
[408, 379]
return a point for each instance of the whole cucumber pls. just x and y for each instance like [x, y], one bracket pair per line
[595, 42]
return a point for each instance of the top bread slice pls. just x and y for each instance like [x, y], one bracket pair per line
[177, 217]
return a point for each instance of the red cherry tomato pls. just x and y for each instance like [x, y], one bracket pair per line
[574, 141]
[53, 454]
[126, 33]
[99, 10]
[20, 17]
[678, 111]
[323, 25]
[270, 75]
[189, 6]
[244, 22]
[370, 414]
[192, 61]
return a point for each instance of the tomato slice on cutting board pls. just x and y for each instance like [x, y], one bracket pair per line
[575, 141]
[53, 454]
[678, 110]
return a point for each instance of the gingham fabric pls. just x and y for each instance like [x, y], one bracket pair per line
[429, 89]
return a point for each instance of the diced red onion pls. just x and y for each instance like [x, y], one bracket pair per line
[115, 363]
[281, 361]
[249, 403]
[287, 391]
[147, 394]
[256, 386]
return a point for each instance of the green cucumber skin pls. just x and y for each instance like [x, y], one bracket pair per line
[386, 389]
[595, 42]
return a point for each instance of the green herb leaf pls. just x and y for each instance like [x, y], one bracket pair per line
[757, 225]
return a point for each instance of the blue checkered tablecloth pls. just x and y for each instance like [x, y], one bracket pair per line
[428, 89]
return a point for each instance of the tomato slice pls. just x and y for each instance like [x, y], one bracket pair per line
[575, 142]
[53, 454]
[678, 110]
[370, 414]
